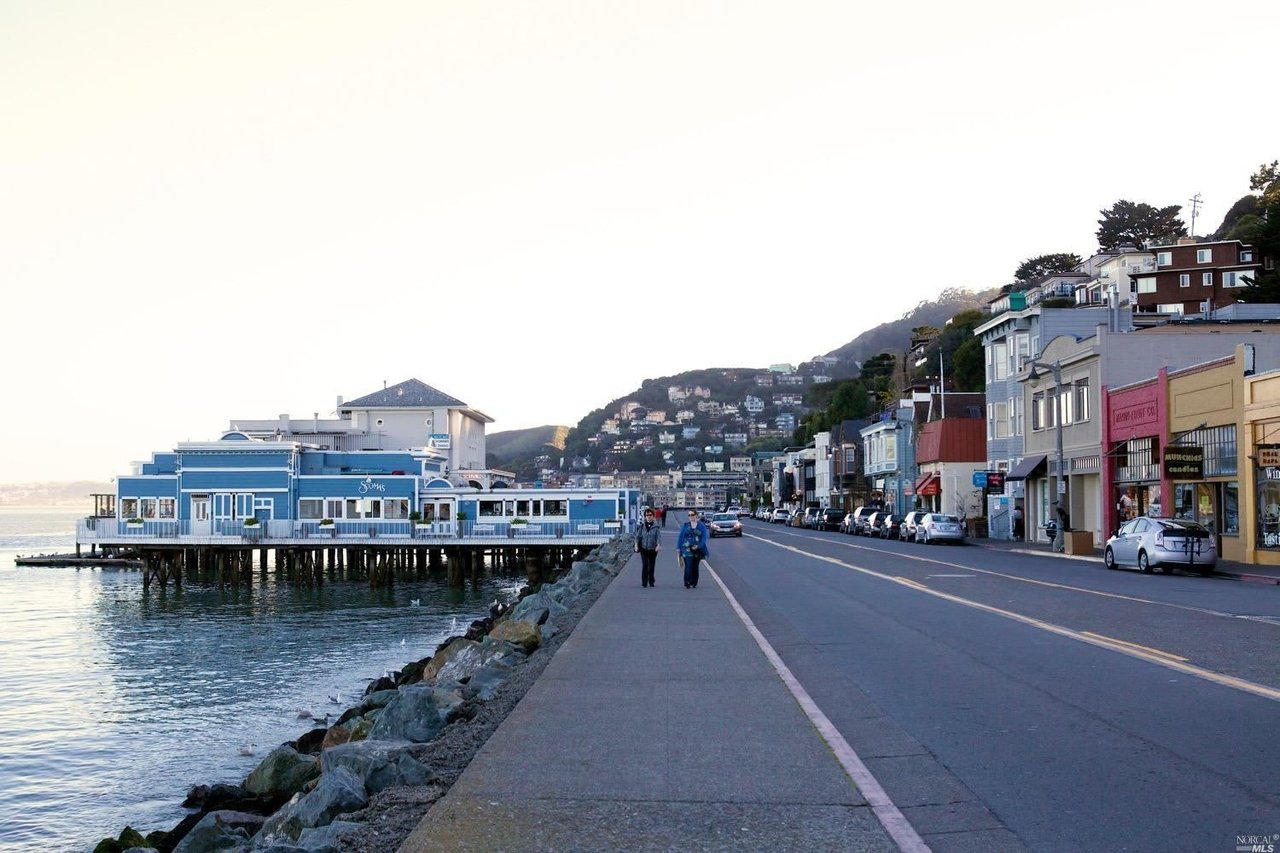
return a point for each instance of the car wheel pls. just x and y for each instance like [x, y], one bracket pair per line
[1206, 571]
[1144, 565]
[925, 539]
[739, 534]
[1109, 559]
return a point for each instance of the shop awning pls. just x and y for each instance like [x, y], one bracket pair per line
[1028, 468]
[928, 485]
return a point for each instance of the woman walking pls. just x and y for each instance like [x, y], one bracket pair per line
[692, 545]
[647, 536]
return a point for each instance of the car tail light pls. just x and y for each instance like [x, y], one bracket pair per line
[1160, 538]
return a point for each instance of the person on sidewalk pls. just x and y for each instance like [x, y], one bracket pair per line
[1019, 528]
[692, 546]
[648, 545]
[663, 514]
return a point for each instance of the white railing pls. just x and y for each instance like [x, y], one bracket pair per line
[116, 530]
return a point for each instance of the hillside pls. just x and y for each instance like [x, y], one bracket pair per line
[518, 445]
[895, 336]
[71, 494]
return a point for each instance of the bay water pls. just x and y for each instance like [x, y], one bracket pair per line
[115, 701]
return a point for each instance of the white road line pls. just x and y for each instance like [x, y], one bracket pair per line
[889, 815]
[1156, 656]
[1052, 584]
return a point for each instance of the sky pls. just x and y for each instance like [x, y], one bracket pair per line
[212, 211]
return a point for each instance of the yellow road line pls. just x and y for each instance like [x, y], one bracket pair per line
[1160, 658]
[1148, 649]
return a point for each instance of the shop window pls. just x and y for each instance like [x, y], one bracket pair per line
[1268, 512]
[1231, 509]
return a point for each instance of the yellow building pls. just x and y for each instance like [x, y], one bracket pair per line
[1203, 463]
[1260, 450]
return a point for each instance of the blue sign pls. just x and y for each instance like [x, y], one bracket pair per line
[980, 479]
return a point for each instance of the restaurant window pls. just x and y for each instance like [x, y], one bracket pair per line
[333, 508]
[311, 508]
[395, 508]
[168, 507]
[555, 508]
[150, 508]
[490, 508]
[1268, 508]
[129, 508]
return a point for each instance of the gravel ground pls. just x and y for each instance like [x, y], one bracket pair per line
[394, 813]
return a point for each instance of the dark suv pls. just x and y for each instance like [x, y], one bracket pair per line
[831, 518]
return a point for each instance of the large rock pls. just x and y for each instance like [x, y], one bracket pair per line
[220, 830]
[486, 680]
[336, 793]
[282, 773]
[464, 657]
[537, 608]
[379, 764]
[459, 651]
[326, 839]
[417, 714]
[520, 633]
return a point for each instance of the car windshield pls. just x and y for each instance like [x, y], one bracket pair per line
[946, 519]
[724, 516]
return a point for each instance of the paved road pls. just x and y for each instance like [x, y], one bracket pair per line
[1085, 709]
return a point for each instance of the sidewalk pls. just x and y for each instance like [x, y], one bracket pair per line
[659, 725]
[1225, 569]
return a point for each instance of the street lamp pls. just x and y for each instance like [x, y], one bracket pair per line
[1060, 481]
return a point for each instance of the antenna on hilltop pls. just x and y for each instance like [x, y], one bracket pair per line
[1196, 201]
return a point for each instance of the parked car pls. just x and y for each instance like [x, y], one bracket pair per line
[812, 517]
[861, 516]
[939, 527]
[725, 524]
[885, 525]
[780, 516]
[846, 523]
[1166, 542]
[910, 522]
[831, 518]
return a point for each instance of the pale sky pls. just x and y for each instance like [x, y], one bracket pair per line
[224, 210]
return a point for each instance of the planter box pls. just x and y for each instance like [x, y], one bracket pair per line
[1078, 541]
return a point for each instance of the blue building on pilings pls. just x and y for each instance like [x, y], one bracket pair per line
[281, 492]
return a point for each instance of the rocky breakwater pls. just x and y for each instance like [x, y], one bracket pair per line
[363, 783]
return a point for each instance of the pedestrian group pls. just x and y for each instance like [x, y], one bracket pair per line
[691, 546]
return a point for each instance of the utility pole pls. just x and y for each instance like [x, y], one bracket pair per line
[1196, 201]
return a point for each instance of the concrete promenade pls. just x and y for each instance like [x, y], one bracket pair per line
[659, 725]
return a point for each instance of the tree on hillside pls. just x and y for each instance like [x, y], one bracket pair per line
[1043, 265]
[968, 366]
[1240, 220]
[1264, 235]
[878, 366]
[1140, 224]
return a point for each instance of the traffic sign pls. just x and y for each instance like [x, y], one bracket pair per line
[980, 479]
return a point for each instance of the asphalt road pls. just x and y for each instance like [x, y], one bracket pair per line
[1086, 709]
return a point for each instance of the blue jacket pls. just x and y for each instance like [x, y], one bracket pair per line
[693, 535]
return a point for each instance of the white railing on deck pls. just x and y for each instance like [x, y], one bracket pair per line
[111, 529]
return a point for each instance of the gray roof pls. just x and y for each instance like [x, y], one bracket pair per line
[410, 394]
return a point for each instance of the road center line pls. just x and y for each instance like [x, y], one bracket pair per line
[1051, 584]
[889, 815]
[1156, 656]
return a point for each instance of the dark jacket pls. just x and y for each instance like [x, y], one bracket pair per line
[647, 538]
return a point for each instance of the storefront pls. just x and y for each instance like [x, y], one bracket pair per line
[1261, 433]
[1135, 424]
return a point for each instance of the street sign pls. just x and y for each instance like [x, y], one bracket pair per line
[995, 481]
[980, 479]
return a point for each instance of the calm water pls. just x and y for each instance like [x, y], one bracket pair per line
[115, 702]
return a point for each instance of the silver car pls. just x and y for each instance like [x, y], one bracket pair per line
[937, 527]
[1166, 542]
[910, 522]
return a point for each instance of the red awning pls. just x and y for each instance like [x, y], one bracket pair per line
[928, 485]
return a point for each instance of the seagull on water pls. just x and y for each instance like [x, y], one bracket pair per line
[402, 641]
[247, 751]
[304, 714]
[336, 698]
[415, 602]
